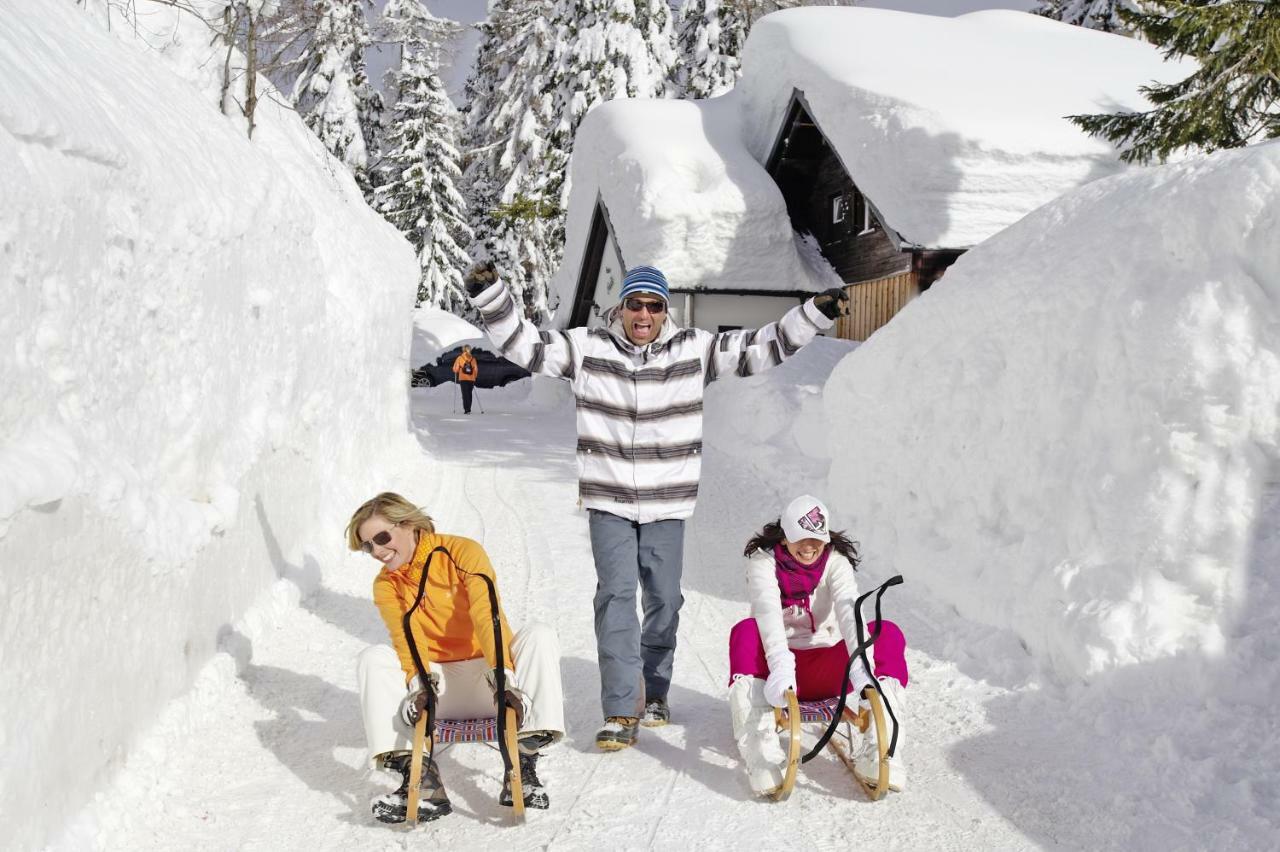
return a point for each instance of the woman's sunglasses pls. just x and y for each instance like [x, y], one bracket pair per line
[382, 539]
[636, 306]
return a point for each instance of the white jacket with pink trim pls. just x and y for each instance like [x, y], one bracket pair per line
[831, 619]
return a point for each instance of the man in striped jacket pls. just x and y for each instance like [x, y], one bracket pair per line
[639, 385]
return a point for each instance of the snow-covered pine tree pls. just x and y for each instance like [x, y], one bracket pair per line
[418, 187]
[709, 39]
[1092, 14]
[1231, 101]
[332, 93]
[605, 49]
[507, 115]
[408, 26]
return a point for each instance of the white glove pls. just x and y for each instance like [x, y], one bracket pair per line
[777, 684]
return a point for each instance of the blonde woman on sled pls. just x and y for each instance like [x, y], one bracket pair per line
[435, 583]
[802, 629]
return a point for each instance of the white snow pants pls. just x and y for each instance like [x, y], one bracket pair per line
[466, 693]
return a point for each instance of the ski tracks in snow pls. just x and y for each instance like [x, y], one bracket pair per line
[266, 752]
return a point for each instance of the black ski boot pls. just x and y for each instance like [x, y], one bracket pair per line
[535, 795]
[433, 803]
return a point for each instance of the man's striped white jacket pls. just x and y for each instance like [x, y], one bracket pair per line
[640, 407]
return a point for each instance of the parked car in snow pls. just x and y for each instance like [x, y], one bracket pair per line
[495, 371]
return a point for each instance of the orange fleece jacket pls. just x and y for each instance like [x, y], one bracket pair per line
[454, 621]
[460, 362]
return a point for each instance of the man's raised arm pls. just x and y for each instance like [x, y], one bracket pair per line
[547, 353]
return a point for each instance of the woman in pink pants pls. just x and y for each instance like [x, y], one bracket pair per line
[801, 584]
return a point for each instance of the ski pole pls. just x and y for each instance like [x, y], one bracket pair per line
[455, 397]
[476, 397]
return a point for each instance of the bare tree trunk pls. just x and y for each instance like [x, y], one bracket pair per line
[229, 34]
[251, 73]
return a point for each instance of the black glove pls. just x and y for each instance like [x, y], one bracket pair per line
[413, 706]
[479, 278]
[515, 700]
[833, 303]
[513, 696]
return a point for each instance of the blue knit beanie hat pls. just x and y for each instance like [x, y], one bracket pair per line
[645, 279]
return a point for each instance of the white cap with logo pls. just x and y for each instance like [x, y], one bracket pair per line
[806, 517]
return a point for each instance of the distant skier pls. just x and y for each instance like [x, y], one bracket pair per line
[801, 585]
[639, 384]
[453, 630]
[465, 372]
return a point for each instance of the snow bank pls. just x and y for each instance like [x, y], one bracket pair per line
[1069, 434]
[953, 127]
[205, 351]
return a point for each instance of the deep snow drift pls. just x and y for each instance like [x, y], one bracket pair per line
[1071, 433]
[180, 406]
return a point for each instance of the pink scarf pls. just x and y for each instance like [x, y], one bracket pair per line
[797, 581]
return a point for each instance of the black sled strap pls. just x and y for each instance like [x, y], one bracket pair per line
[860, 652]
[500, 675]
[413, 650]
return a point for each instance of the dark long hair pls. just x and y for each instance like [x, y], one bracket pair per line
[772, 535]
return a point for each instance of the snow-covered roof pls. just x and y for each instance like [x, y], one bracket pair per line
[683, 194]
[954, 127]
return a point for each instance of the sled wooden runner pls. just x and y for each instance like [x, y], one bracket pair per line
[862, 721]
[415, 769]
[513, 774]
[792, 720]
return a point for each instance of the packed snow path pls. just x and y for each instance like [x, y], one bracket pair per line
[266, 752]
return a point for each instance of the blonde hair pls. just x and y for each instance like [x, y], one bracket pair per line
[395, 509]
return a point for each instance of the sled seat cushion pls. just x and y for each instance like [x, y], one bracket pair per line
[818, 711]
[467, 730]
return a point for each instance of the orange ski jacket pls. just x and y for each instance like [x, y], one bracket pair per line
[453, 622]
[460, 371]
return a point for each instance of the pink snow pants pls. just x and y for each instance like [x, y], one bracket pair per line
[819, 671]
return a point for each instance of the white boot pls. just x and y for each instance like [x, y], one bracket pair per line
[756, 735]
[866, 760]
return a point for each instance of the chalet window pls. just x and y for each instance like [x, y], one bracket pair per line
[837, 204]
[862, 216]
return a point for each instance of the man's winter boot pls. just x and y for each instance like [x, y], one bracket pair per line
[756, 735]
[656, 713]
[433, 803]
[619, 732]
[866, 760]
[535, 795]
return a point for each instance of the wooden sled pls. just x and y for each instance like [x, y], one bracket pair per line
[452, 731]
[798, 713]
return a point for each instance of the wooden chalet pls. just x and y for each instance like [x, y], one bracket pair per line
[881, 271]
[719, 308]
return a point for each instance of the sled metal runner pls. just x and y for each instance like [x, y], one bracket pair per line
[797, 713]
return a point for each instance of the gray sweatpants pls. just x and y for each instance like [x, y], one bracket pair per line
[635, 660]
